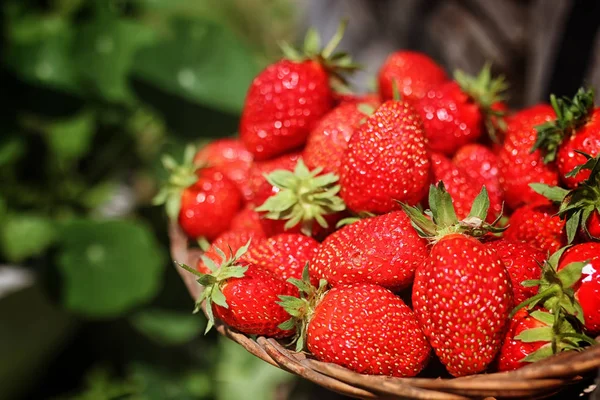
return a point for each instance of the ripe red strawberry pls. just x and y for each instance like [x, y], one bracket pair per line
[286, 100]
[329, 139]
[244, 297]
[382, 250]
[248, 220]
[463, 186]
[386, 161]
[203, 200]
[529, 339]
[462, 293]
[362, 327]
[231, 157]
[538, 225]
[518, 165]
[285, 255]
[229, 243]
[414, 74]
[208, 206]
[523, 262]
[480, 163]
[577, 129]
[587, 287]
[578, 207]
[307, 200]
[455, 113]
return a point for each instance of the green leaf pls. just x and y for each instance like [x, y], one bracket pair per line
[572, 225]
[571, 273]
[25, 235]
[40, 51]
[542, 316]
[12, 148]
[167, 327]
[201, 61]
[287, 325]
[441, 206]
[103, 54]
[480, 206]
[210, 263]
[71, 138]
[540, 354]
[108, 267]
[542, 334]
[552, 193]
[232, 272]
[218, 297]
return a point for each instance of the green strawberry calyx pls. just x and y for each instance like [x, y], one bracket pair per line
[556, 293]
[336, 63]
[441, 220]
[486, 91]
[558, 333]
[570, 115]
[302, 308]
[576, 205]
[181, 176]
[213, 282]
[304, 197]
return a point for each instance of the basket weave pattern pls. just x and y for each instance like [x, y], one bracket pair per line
[535, 380]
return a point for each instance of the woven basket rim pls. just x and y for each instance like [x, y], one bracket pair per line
[539, 379]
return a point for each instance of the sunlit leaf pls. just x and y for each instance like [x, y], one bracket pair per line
[108, 267]
[201, 61]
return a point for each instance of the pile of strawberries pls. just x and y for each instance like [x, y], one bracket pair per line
[373, 229]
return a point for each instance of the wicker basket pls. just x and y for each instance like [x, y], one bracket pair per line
[533, 381]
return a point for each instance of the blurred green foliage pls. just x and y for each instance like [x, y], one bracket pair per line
[97, 90]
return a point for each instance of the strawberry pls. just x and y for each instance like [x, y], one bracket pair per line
[304, 199]
[231, 157]
[243, 297]
[462, 292]
[247, 219]
[382, 250]
[523, 262]
[285, 255]
[455, 113]
[578, 207]
[529, 339]
[327, 142]
[576, 129]
[518, 165]
[463, 186]
[538, 225]
[362, 327]
[587, 287]
[480, 163]
[203, 200]
[386, 160]
[229, 243]
[412, 72]
[287, 99]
